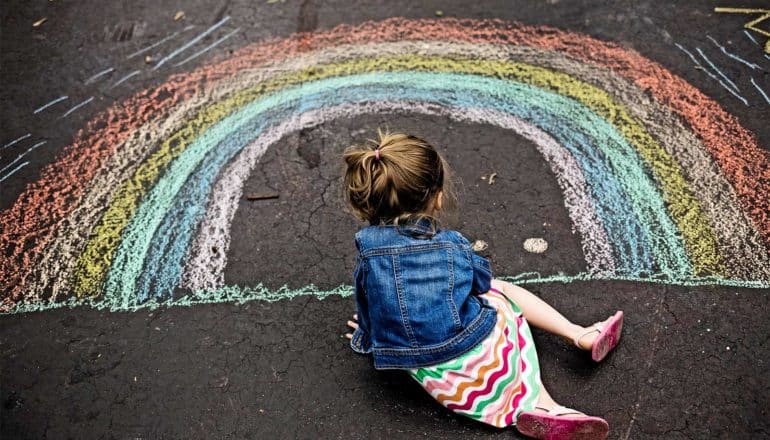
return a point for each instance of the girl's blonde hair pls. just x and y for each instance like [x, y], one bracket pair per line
[396, 178]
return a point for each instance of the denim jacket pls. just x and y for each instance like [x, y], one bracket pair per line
[416, 295]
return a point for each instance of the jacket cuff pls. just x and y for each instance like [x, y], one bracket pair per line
[360, 342]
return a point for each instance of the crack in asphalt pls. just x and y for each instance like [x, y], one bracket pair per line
[648, 366]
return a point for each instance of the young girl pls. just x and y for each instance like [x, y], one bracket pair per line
[427, 304]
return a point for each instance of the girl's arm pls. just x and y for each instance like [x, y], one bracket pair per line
[360, 341]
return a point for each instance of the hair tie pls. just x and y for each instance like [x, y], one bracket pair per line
[377, 154]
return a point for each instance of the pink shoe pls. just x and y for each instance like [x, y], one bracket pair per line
[609, 336]
[552, 425]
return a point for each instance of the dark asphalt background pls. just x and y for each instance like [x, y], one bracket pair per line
[693, 362]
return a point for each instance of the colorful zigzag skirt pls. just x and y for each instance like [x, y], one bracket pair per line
[496, 380]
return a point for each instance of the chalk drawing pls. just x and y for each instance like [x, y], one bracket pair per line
[125, 78]
[753, 40]
[45, 106]
[207, 48]
[732, 55]
[711, 75]
[130, 75]
[750, 37]
[159, 42]
[764, 14]
[716, 69]
[16, 141]
[725, 81]
[99, 75]
[13, 171]
[190, 43]
[760, 90]
[661, 184]
[19, 157]
[77, 106]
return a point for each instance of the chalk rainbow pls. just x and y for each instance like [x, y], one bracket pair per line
[660, 182]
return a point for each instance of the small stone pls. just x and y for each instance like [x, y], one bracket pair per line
[479, 245]
[535, 245]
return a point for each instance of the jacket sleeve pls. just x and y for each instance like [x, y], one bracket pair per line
[482, 272]
[361, 342]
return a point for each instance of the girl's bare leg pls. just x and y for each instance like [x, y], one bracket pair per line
[545, 402]
[541, 315]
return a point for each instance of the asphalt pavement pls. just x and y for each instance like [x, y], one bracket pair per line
[693, 362]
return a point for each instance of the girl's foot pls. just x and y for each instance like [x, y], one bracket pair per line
[561, 423]
[601, 337]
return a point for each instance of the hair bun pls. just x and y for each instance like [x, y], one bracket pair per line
[406, 185]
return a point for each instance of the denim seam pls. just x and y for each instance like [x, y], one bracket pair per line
[401, 301]
[450, 291]
[407, 249]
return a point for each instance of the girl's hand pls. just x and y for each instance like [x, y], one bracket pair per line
[352, 324]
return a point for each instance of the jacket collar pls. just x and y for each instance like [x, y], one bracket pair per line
[419, 228]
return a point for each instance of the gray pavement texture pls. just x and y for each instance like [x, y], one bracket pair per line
[693, 363]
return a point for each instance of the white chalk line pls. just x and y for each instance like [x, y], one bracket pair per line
[125, 78]
[99, 75]
[207, 48]
[751, 37]
[14, 171]
[45, 106]
[711, 75]
[29, 150]
[716, 69]
[732, 55]
[158, 43]
[761, 92]
[16, 141]
[75, 107]
[191, 42]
